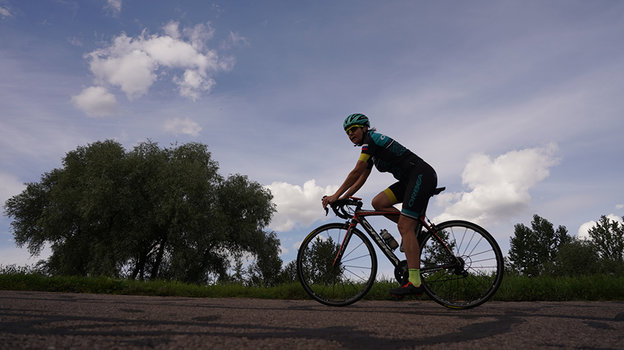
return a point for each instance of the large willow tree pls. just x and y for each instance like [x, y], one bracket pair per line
[148, 213]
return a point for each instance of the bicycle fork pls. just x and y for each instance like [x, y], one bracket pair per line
[344, 244]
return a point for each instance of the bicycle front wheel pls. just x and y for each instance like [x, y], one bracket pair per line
[463, 268]
[336, 266]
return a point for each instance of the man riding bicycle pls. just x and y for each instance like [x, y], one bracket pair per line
[416, 184]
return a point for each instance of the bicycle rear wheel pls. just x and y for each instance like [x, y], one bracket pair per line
[331, 282]
[470, 275]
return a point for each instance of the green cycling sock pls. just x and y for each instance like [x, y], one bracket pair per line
[414, 277]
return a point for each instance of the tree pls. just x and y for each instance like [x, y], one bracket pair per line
[607, 238]
[318, 262]
[77, 210]
[533, 249]
[266, 270]
[148, 213]
[288, 273]
[576, 257]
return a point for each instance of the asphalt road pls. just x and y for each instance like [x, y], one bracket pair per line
[35, 320]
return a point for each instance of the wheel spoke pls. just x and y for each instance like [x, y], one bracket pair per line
[478, 271]
[336, 282]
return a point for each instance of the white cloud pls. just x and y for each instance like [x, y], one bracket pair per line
[192, 83]
[583, 231]
[4, 12]
[199, 34]
[114, 5]
[9, 187]
[134, 63]
[95, 101]
[182, 126]
[122, 65]
[297, 205]
[499, 187]
[172, 29]
[236, 40]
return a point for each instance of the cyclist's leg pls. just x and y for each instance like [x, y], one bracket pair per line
[422, 182]
[407, 226]
[419, 189]
[385, 200]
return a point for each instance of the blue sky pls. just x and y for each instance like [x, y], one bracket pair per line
[517, 104]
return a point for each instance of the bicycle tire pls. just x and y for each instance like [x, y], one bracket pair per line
[468, 278]
[336, 284]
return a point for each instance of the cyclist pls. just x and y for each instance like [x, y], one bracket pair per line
[416, 183]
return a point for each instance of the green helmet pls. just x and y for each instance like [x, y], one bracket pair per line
[356, 119]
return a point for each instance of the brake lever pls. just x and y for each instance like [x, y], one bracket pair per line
[326, 209]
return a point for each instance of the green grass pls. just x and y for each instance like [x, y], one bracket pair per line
[513, 288]
[593, 287]
[105, 285]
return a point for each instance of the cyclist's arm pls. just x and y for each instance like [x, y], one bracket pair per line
[358, 184]
[361, 168]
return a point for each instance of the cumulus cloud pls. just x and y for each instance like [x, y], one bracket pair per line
[297, 205]
[192, 84]
[499, 187]
[583, 231]
[95, 101]
[133, 70]
[199, 34]
[134, 64]
[182, 126]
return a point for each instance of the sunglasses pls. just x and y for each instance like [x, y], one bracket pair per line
[352, 129]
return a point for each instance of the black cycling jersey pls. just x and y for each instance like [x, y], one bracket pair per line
[417, 179]
[388, 155]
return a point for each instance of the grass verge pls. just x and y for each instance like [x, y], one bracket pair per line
[513, 288]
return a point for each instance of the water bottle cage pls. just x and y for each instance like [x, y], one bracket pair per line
[389, 239]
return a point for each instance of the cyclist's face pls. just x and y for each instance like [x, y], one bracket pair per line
[356, 135]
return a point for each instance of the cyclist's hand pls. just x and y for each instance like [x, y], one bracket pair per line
[328, 200]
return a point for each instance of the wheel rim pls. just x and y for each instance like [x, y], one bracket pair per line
[336, 282]
[468, 278]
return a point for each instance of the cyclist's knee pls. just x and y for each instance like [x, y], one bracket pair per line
[384, 200]
[380, 202]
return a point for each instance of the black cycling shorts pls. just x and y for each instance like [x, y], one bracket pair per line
[415, 191]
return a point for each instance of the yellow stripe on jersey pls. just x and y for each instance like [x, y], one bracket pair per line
[364, 157]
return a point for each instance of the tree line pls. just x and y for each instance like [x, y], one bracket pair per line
[543, 250]
[167, 213]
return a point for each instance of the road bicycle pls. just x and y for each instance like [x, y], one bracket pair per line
[461, 263]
